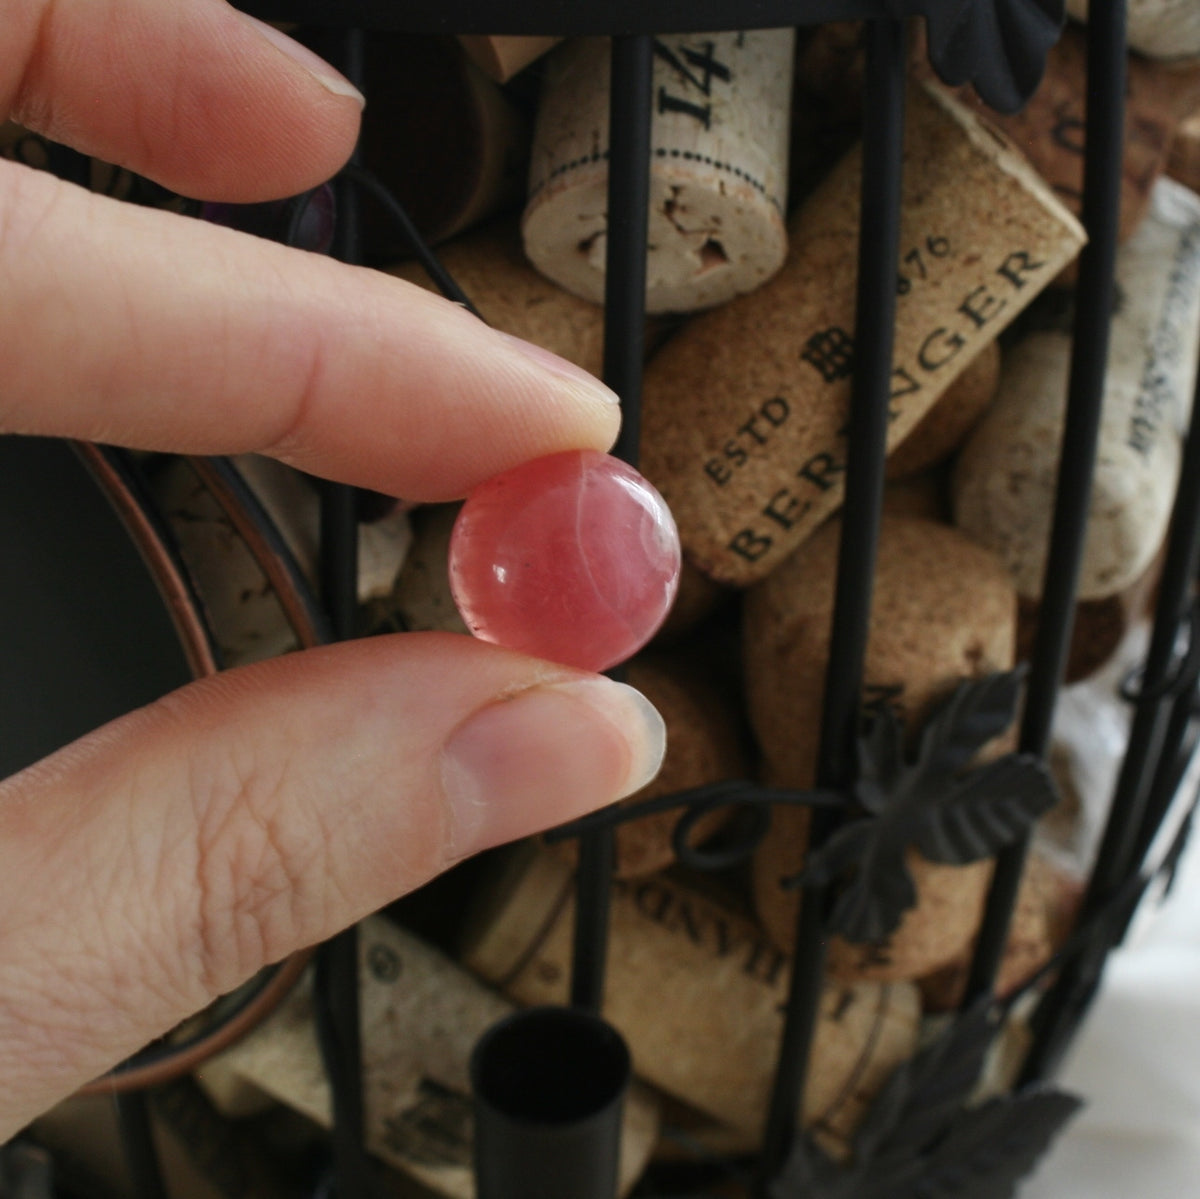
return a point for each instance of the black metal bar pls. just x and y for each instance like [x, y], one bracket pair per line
[1132, 820]
[137, 1144]
[624, 334]
[625, 252]
[879, 242]
[336, 980]
[1089, 361]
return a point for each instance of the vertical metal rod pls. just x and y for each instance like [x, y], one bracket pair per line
[336, 981]
[137, 1144]
[1132, 820]
[879, 246]
[624, 333]
[1105, 117]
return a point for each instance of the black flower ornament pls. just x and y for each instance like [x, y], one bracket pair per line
[952, 814]
[998, 45]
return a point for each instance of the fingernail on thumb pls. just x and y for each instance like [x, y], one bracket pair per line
[544, 756]
[317, 67]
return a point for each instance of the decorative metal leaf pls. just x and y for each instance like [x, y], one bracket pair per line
[919, 1141]
[953, 815]
[998, 45]
[977, 712]
[992, 1147]
[988, 810]
[870, 911]
[923, 1095]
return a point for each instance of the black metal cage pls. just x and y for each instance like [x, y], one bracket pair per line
[1000, 47]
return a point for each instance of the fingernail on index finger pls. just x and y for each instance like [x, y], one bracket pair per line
[330, 79]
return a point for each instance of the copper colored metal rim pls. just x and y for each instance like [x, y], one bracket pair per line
[156, 547]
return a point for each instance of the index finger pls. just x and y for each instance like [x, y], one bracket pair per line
[145, 329]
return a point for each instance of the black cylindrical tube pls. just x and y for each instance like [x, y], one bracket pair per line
[879, 242]
[1106, 70]
[549, 1085]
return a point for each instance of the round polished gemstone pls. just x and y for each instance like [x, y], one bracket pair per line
[573, 557]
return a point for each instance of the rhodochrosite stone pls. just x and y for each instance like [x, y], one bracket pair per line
[573, 557]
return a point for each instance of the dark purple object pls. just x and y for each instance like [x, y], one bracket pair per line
[305, 221]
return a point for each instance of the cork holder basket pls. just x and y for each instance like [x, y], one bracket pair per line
[904, 859]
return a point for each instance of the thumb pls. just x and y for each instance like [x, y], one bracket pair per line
[166, 858]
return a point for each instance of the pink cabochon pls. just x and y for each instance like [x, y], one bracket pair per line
[574, 558]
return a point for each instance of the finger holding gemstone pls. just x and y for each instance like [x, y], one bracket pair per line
[573, 557]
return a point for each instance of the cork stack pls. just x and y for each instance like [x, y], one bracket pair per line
[718, 175]
[1052, 128]
[944, 610]
[698, 994]
[491, 269]
[421, 1017]
[1005, 477]
[745, 409]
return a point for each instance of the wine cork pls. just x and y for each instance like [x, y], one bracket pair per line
[1035, 934]
[1167, 29]
[698, 598]
[1052, 127]
[243, 610]
[500, 58]
[745, 408]
[245, 614]
[441, 136]
[698, 994]
[940, 431]
[421, 1016]
[923, 496]
[490, 267]
[944, 610]
[826, 101]
[1003, 486]
[1183, 162]
[420, 600]
[717, 174]
[293, 504]
[1099, 627]
[201, 1154]
[703, 746]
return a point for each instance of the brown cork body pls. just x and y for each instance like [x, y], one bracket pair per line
[745, 408]
[500, 58]
[421, 1016]
[1100, 625]
[704, 745]
[491, 269]
[942, 429]
[944, 610]
[446, 141]
[698, 994]
[1041, 922]
[1052, 127]
[718, 184]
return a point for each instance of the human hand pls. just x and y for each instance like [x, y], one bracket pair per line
[167, 857]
